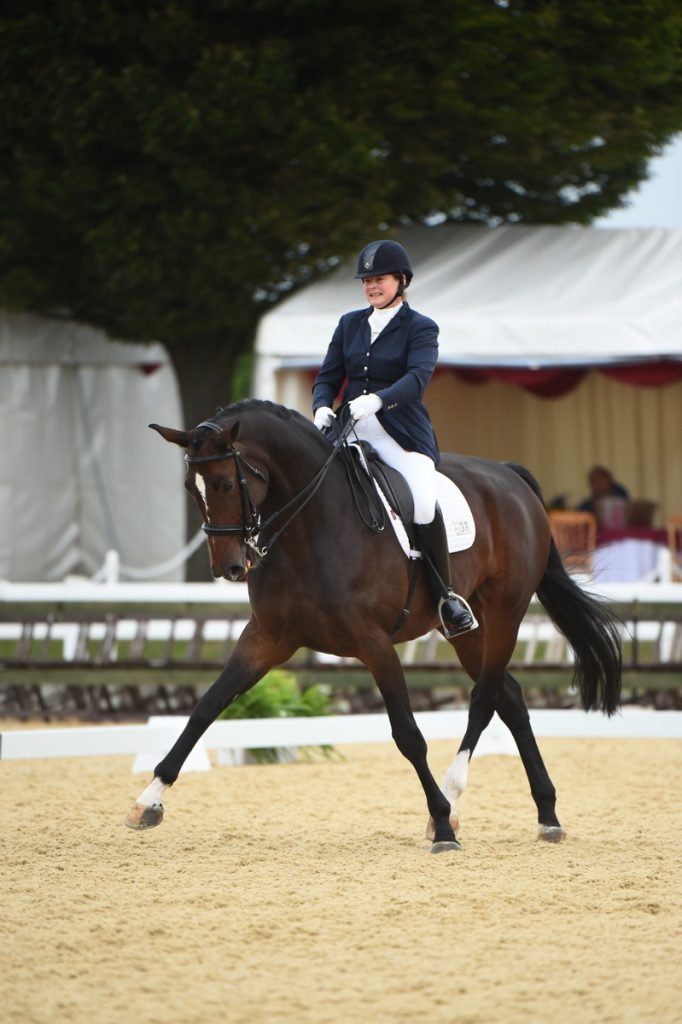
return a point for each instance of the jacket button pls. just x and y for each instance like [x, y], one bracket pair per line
[364, 391]
[365, 368]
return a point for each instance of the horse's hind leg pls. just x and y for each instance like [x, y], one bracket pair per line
[512, 709]
[481, 710]
[497, 690]
[484, 655]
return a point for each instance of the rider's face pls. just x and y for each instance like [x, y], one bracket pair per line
[380, 290]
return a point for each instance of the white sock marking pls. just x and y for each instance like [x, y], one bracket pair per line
[456, 777]
[153, 793]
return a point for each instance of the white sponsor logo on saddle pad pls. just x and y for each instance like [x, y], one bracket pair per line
[459, 519]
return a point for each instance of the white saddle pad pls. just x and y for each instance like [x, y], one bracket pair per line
[458, 517]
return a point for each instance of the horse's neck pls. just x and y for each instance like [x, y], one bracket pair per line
[294, 465]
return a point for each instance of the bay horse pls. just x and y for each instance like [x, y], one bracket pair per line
[278, 511]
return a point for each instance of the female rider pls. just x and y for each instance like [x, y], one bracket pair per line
[388, 352]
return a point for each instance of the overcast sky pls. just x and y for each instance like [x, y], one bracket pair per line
[658, 201]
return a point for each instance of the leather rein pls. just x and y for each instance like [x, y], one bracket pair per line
[252, 525]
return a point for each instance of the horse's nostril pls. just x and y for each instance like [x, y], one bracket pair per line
[235, 572]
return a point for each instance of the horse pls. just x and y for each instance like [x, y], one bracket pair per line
[278, 512]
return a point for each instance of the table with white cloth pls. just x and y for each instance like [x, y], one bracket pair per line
[630, 553]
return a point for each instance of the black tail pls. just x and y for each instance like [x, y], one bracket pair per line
[588, 625]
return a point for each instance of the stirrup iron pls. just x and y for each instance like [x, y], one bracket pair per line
[467, 618]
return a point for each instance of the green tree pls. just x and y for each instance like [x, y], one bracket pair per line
[169, 170]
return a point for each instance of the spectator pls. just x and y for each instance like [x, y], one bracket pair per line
[602, 485]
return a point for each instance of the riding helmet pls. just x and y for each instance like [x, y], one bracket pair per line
[383, 257]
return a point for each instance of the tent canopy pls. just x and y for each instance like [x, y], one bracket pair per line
[511, 298]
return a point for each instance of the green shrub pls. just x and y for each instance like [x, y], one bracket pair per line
[278, 695]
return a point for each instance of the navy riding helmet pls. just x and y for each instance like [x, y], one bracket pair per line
[383, 257]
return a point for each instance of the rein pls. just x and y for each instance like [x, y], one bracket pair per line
[251, 525]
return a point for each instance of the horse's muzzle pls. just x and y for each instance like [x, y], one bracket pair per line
[232, 566]
[234, 573]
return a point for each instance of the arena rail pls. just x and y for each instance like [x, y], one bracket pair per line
[150, 741]
[131, 649]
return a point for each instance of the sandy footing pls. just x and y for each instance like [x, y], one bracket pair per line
[305, 893]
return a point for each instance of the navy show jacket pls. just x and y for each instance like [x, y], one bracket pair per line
[397, 368]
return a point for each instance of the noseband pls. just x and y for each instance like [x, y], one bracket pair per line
[251, 524]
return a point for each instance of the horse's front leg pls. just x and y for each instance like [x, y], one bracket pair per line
[253, 656]
[384, 664]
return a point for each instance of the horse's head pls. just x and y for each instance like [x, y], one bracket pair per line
[227, 487]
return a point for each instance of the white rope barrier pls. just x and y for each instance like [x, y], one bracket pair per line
[112, 569]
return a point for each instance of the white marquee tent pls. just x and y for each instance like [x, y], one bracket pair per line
[560, 347]
[80, 472]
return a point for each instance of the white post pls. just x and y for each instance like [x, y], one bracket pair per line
[112, 564]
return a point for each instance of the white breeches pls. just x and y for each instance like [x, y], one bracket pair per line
[419, 470]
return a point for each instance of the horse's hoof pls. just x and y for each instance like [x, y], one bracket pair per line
[551, 833]
[141, 817]
[431, 827]
[446, 846]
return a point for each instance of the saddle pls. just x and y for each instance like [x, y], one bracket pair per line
[390, 483]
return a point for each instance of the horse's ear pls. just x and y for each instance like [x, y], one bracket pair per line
[181, 437]
[235, 432]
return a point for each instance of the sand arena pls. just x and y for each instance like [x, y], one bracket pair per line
[305, 893]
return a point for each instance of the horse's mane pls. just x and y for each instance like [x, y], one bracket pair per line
[256, 405]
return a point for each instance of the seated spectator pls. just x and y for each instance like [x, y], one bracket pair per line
[602, 485]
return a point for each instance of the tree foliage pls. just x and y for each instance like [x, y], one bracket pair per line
[169, 169]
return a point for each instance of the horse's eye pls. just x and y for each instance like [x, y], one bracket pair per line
[227, 486]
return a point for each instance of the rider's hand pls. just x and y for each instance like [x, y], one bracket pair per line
[324, 417]
[364, 406]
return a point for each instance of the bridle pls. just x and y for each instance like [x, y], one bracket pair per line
[252, 525]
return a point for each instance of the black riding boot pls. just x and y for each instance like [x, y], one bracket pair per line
[455, 614]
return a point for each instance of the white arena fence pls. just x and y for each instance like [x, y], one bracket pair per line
[231, 738]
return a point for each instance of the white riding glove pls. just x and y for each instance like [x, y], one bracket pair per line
[324, 417]
[364, 406]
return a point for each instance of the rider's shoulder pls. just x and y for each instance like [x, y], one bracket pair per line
[354, 316]
[420, 320]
